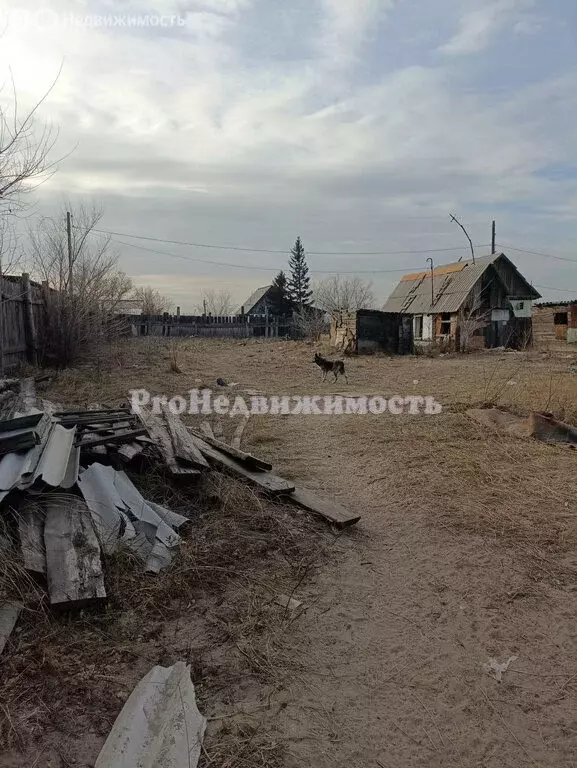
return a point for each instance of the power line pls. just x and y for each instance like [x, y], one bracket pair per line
[261, 268]
[551, 288]
[538, 253]
[284, 251]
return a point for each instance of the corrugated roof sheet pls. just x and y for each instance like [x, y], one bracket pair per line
[452, 283]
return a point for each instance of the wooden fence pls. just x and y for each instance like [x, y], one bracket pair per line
[228, 326]
[21, 315]
[23, 319]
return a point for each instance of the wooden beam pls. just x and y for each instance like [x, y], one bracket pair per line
[120, 437]
[252, 462]
[182, 441]
[206, 429]
[332, 511]
[73, 564]
[235, 442]
[161, 438]
[268, 482]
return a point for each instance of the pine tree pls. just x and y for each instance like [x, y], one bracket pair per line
[299, 283]
[279, 302]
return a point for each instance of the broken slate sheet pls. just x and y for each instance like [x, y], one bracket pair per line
[159, 726]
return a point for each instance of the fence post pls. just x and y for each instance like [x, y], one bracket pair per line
[29, 326]
[1, 322]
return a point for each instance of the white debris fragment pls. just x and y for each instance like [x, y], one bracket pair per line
[498, 667]
[159, 726]
[288, 602]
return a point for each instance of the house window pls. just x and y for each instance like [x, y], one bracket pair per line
[445, 324]
[418, 327]
[560, 318]
[521, 305]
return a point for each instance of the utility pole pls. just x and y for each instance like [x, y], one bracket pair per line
[69, 233]
[493, 248]
[432, 279]
[456, 220]
[204, 306]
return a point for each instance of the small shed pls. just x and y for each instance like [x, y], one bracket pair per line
[555, 321]
[370, 330]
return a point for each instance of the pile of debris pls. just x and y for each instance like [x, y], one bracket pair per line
[66, 499]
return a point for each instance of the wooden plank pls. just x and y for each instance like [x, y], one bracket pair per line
[268, 482]
[217, 429]
[9, 613]
[252, 462]
[131, 450]
[73, 564]
[182, 441]
[159, 434]
[332, 511]
[206, 429]
[31, 533]
[238, 433]
[120, 437]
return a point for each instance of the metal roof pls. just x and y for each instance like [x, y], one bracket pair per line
[54, 461]
[452, 283]
[253, 299]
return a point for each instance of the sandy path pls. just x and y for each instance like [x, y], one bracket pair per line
[390, 655]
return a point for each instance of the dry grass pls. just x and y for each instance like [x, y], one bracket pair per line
[213, 608]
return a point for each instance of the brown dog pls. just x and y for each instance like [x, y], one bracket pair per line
[336, 366]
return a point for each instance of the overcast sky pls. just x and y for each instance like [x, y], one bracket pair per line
[358, 124]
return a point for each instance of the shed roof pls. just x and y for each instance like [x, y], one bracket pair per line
[452, 283]
[253, 299]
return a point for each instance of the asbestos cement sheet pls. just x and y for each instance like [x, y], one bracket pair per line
[159, 726]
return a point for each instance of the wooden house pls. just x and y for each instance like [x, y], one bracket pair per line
[485, 303]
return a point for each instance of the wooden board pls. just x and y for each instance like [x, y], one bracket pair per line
[31, 534]
[332, 511]
[159, 434]
[268, 482]
[206, 428]
[73, 565]
[120, 437]
[252, 462]
[182, 441]
[238, 433]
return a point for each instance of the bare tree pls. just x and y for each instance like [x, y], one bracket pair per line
[310, 324]
[348, 294]
[218, 303]
[24, 151]
[151, 301]
[77, 323]
[10, 257]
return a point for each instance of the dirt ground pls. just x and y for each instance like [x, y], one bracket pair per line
[465, 553]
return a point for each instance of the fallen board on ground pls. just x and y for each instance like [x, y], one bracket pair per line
[270, 483]
[252, 462]
[73, 564]
[159, 434]
[182, 442]
[332, 511]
